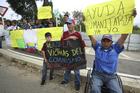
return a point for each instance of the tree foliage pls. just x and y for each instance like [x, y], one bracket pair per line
[78, 16]
[136, 30]
[25, 8]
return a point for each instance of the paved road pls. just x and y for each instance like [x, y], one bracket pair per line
[125, 66]
[15, 79]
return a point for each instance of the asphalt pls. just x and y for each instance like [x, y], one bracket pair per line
[19, 78]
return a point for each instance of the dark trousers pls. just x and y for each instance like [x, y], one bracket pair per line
[77, 76]
[44, 71]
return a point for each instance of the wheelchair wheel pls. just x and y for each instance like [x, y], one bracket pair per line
[87, 86]
[120, 83]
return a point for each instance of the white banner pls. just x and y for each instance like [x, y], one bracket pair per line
[30, 36]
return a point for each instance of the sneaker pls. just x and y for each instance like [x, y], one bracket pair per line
[77, 87]
[64, 82]
[42, 82]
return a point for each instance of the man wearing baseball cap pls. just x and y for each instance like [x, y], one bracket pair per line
[106, 62]
[73, 35]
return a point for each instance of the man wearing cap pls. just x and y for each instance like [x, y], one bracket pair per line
[106, 62]
[74, 35]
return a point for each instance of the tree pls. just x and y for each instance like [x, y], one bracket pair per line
[25, 8]
[136, 30]
[78, 16]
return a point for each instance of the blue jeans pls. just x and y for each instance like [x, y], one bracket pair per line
[110, 81]
[44, 71]
[77, 76]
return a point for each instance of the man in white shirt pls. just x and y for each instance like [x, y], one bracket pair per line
[65, 27]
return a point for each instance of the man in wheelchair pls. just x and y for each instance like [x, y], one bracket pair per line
[106, 62]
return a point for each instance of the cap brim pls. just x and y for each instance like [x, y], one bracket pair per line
[107, 38]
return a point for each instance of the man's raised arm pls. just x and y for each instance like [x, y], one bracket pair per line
[93, 40]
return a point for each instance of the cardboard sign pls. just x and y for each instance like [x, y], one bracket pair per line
[45, 12]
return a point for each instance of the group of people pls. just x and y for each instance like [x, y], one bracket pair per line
[6, 26]
[69, 34]
[104, 65]
[27, 24]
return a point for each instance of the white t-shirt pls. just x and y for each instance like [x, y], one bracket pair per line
[65, 28]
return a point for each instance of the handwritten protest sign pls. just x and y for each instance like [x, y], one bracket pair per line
[114, 17]
[66, 57]
[44, 12]
[55, 31]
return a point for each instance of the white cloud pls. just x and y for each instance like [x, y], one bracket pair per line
[65, 5]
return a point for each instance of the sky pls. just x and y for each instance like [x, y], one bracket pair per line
[68, 5]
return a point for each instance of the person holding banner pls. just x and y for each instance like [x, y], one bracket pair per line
[48, 37]
[74, 35]
[106, 62]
